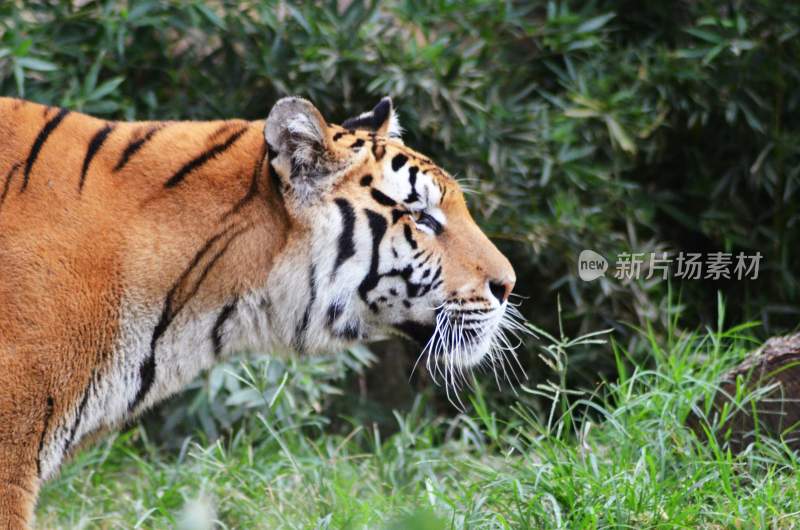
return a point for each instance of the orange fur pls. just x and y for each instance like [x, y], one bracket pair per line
[93, 216]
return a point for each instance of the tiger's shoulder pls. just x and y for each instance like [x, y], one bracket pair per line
[85, 201]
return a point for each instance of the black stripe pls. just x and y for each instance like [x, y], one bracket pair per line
[178, 296]
[399, 161]
[135, 145]
[358, 143]
[469, 311]
[222, 129]
[216, 332]
[181, 303]
[94, 146]
[377, 225]
[41, 138]
[213, 261]
[337, 136]
[409, 236]
[469, 321]
[79, 413]
[334, 310]
[350, 332]
[9, 177]
[398, 214]
[382, 198]
[438, 273]
[302, 327]
[413, 196]
[366, 180]
[47, 415]
[203, 158]
[147, 371]
[252, 191]
[347, 248]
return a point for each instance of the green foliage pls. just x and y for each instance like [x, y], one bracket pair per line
[620, 456]
[238, 387]
[605, 125]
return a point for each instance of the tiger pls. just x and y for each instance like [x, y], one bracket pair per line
[135, 255]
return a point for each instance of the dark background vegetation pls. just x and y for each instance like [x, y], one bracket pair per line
[616, 126]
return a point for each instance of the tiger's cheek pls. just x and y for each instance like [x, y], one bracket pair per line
[413, 279]
[457, 274]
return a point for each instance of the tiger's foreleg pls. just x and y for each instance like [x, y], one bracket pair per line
[26, 417]
[18, 490]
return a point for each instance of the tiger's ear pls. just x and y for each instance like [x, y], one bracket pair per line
[298, 141]
[381, 120]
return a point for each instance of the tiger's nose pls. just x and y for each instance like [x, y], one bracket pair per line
[501, 289]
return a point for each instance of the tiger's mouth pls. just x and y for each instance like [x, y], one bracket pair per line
[417, 331]
[464, 338]
[450, 341]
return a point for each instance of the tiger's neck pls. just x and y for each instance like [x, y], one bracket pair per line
[201, 256]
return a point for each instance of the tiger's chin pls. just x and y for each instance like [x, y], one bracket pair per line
[419, 332]
[461, 340]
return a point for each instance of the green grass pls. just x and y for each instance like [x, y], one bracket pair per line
[617, 457]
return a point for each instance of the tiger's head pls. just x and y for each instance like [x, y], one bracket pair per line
[385, 240]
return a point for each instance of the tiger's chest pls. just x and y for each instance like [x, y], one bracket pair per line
[151, 362]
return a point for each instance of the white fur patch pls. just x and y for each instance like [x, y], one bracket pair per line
[395, 130]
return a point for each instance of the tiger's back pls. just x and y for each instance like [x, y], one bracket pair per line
[72, 182]
[82, 197]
